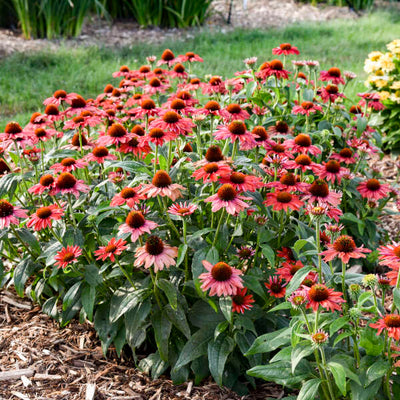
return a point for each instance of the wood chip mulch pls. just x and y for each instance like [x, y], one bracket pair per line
[40, 361]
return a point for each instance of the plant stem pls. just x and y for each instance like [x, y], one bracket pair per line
[218, 227]
[126, 274]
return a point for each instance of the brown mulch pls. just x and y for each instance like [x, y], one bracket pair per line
[50, 363]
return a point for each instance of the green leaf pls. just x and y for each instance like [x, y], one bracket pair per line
[124, 299]
[92, 275]
[49, 307]
[162, 330]
[170, 291]
[302, 349]
[364, 297]
[178, 318]
[297, 279]
[195, 347]
[30, 240]
[21, 274]
[104, 328]
[377, 370]
[268, 253]
[396, 298]
[218, 352]
[225, 304]
[281, 306]
[71, 302]
[372, 343]
[270, 341]
[309, 389]
[342, 336]
[88, 299]
[181, 254]
[338, 324]
[339, 375]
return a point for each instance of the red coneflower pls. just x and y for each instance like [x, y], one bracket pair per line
[330, 92]
[116, 135]
[67, 183]
[306, 108]
[157, 253]
[390, 255]
[272, 68]
[44, 216]
[332, 171]
[346, 156]
[99, 154]
[136, 224]
[173, 123]
[289, 182]
[167, 57]
[211, 172]
[234, 112]
[158, 137]
[276, 287]
[67, 255]
[221, 279]
[155, 86]
[345, 248]
[137, 145]
[319, 192]
[283, 201]
[69, 164]
[242, 301]
[129, 196]
[288, 269]
[162, 185]
[302, 144]
[178, 71]
[280, 128]
[333, 74]
[190, 56]
[10, 213]
[242, 182]
[46, 183]
[373, 190]
[182, 209]
[236, 130]
[228, 198]
[214, 85]
[303, 162]
[58, 97]
[285, 49]
[320, 295]
[390, 324]
[113, 248]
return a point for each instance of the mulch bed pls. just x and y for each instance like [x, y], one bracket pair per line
[40, 361]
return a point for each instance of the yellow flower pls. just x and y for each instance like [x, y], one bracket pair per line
[375, 55]
[371, 66]
[380, 83]
[384, 95]
[394, 46]
[395, 85]
[395, 97]
[386, 62]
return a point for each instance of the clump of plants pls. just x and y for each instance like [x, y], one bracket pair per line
[209, 225]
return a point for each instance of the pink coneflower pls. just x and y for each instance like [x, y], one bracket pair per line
[136, 145]
[14, 132]
[172, 122]
[78, 105]
[260, 136]
[242, 301]
[114, 248]
[332, 171]
[227, 198]
[345, 155]
[298, 298]
[99, 154]
[302, 162]
[221, 279]
[69, 164]
[67, 183]
[306, 108]
[302, 144]
[167, 57]
[390, 255]
[288, 269]
[155, 86]
[319, 337]
[323, 209]
[373, 190]
[158, 137]
[189, 56]
[136, 224]
[285, 49]
[43, 135]
[46, 184]
[234, 112]
[212, 108]
[182, 209]
[345, 248]
[178, 71]
[320, 295]
[67, 255]
[283, 201]
[242, 182]
[276, 287]
[245, 252]
[147, 108]
[129, 196]
[116, 135]
[333, 75]
[330, 92]
[280, 128]
[390, 324]
[214, 85]
[44, 216]
[272, 68]
[10, 213]
[211, 172]
[319, 192]
[157, 253]
[58, 97]
[179, 106]
[162, 185]
[236, 130]
[289, 182]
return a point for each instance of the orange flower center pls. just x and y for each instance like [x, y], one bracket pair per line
[13, 128]
[276, 65]
[67, 162]
[177, 104]
[281, 126]
[116, 93]
[138, 130]
[238, 178]
[294, 268]
[135, 219]
[109, 88]
[40, 132]
[355, 110]
[260, 133]
[75, 140]
[237, 128]
[373, 185]
[6, 209]
[227, 192]
[319, 189]
[278, 148]
[346, 153]
[303, 159]
[51, 109]
[184, 95]
[148, 104]
[392, 321]
[307, 105]
[128, 193]
[66, 181]
[3, 167]
[284, 197]
[171, 117]
[60, 94]
[212, 106]
[34, 116]
[116, 131]
[303, 140]
[332, 166]
[210, 168]
[144, 69]
[78, 120]
[100, 151]
[221, 272]
[318, 293]
[288, 179]
[195, 81]
[215, 81]
[167, 55]
[133, 142]
[234, 108]
[161, 179]
[78, 102]
[155, 82]
[214, 154]
[124, 68]
[46, 180]
[110, 248]
[156, 133]
[334, 72]
[68, 256]
[344, 244]
[44, 212]
[332, 89]
[285, 46]
[179, 68]
[154, 245]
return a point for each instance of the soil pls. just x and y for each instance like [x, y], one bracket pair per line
[252, 14]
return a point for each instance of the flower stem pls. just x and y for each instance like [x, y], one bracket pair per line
[126, 274]
[218, 227]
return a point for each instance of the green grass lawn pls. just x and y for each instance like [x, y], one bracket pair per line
[27, 79]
